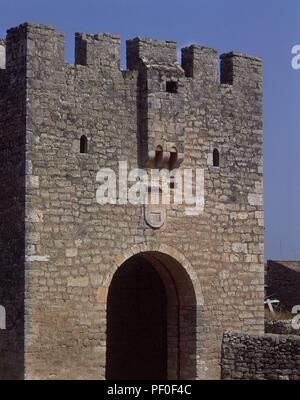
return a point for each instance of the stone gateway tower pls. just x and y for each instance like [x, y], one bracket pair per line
[123, 291]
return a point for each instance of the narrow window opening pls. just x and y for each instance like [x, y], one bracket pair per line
[158, 156]
[216, 158]
[171, 87]
[173, 159]
[83, 145]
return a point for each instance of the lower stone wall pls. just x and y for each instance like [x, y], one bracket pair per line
[282, 327]
[272, 357]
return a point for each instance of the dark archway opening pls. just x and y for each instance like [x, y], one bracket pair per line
[151, 320]
[137, 326]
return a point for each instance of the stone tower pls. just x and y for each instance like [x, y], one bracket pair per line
[118, 290]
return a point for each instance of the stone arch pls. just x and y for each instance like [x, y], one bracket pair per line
[164, 249]
[183, 300]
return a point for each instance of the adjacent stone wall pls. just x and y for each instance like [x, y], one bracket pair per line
[282, 327]
[260, 357]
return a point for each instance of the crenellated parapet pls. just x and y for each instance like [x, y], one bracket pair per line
[31, 43]
[103, 49]
[164, 91]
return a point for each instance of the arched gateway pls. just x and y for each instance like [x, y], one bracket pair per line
[152, 306]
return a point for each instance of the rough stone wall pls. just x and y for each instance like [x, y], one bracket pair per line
[72, 243]
[283, 282]
[253, 357]
[12, 207]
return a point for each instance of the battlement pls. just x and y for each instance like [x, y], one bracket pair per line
[29, 42]
[200, 62]
[41, 42]
[97, 50]
[150, 51]
[240, 68]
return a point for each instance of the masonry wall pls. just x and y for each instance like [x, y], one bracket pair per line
[73, 242]
[260, 357]
[12, 205]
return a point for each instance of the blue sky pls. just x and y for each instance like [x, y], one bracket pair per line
[259, 27]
